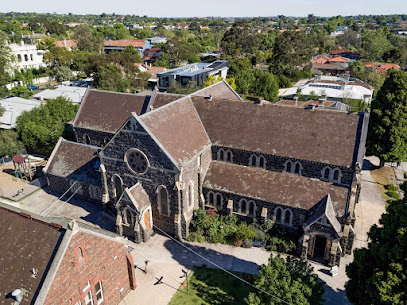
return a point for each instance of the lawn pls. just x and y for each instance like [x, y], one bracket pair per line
[383, 176]
[212, 286]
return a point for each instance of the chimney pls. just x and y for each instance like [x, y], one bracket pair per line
[295, 100]
[322, 100]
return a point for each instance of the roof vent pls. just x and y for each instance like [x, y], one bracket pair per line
[295, 100]
[17, 295]
[310, 107]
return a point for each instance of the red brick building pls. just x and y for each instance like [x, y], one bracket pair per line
[74, 264]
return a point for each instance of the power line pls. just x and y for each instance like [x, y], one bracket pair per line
[52, 202]
[73, 194]
[219, 267]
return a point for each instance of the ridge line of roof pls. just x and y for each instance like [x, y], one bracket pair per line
[80, 106]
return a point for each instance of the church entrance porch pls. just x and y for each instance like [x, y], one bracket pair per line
[319, 248]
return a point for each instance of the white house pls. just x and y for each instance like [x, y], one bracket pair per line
[14, 106]
[26, 56]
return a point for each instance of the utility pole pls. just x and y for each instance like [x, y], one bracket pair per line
[185, 275]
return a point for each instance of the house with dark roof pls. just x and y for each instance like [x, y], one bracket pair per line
[166, 155]
[61, 262]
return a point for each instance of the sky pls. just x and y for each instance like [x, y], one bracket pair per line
[223, 8]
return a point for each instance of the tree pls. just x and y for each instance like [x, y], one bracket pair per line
[47, 43]
[2, 110]
[110, 77]
[266, 85]
[387, 135]
[291, 51]
[213, 80]
[20, 91]
[291, 280]
[375, 44]
[348, 39]
[55, 27]
[378, 274]
[40, 128]
[86, 41]
[58, 56]
[63, 73]
[5, 58]
[357, 69]
[9, 143]
[239, 40]
[164, 61]
[191, 87]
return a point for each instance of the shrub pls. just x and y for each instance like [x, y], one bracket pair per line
[393, 195]
[280, 245]
[403, 186]
[391, 187]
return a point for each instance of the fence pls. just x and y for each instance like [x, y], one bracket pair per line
[35, 81]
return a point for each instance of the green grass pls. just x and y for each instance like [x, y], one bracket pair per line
[212, 286]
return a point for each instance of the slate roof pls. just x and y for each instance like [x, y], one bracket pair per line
[316, 135]
[219, 90]
[178, 128]
[160, 99]
[324, 207]
[107, 111]
[14, 107]
[281, 188]
[138, 197]
[74, 161]
[25, 244]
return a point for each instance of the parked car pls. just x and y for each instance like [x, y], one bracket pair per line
[32, 87]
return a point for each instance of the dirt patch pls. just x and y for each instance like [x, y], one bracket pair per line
[383, 176]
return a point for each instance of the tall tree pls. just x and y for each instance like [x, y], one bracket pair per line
[291, 280]
[239, 40]
[375, 44]
[387, 136]
[86, 40]
[40, 128]
[110, 77]
[378, 274]
[5, 58]
[9, 143]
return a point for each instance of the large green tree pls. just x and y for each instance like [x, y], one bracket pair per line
[375, 44]
[378, 274]
[9, 143]
[291, 280]
[86, 40]
[5, 58]
[387, 136]
[40, 128]
[239, 40]
[110, 77]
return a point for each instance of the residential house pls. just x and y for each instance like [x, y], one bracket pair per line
[118, 45]
[151, 55]
[14, 107]
[157, 158]
[74, 94]
[346, 53]
[69, 44]
[46, 263]
[26, 56]
[197, 73]
[335, 88]
[380, 67]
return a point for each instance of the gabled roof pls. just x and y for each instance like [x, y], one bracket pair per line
[138, 196]
[178, 128]
[107, 111]
[324, 208]
[220, 90]
[317, 135]
[280, 188]
[26, 243]
[75, 161]
[159, 99]
[338, 59]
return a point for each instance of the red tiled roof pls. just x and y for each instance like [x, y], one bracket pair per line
[381, 67]
[341, 51]
[66, 43]
[139, 43]
[338, 59]
[152, 50]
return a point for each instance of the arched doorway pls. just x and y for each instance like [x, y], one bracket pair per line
[118, 186]
[319, 248]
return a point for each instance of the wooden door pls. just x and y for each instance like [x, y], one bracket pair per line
[147, 220]
[312, 246]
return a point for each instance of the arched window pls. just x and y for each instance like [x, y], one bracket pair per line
[86, 138]
[278, 213]
[262, 162]
[229, 156]
[19, 57]
[221, 154]
[211, 198]
[219, 201]
[337, 175]
[163, 205]
[297, 168]
[118, 185]
[288, 166]
[252, 208]
[252, 160]
[31, 57]
[288, 217]
[326, 173]
[25, 57]
[190, 194]
[243, 206]
[127, 217]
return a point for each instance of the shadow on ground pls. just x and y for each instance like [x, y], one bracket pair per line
[96, 214]
[333, 297]
[188, 258]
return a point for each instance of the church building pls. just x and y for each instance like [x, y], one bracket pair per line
[155, 158]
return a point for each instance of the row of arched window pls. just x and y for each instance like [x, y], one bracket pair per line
[248, 207]
[86, 139]
[293, 167]
[19, 58]
[330, 174]
[225, 155]
[257, 161]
